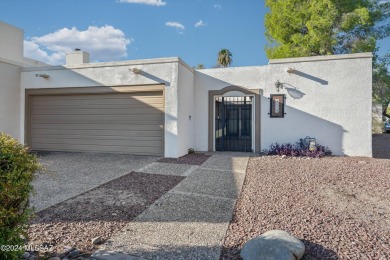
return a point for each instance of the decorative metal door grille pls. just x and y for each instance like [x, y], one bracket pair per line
[233, 124]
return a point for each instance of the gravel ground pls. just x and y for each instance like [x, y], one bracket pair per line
[338, 206]
[100, 212]
[193, 159]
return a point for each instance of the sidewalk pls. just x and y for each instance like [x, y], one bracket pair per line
[188, 222]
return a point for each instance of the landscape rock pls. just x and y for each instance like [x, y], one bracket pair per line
[273, 245]
[54, 258]
[73, 253]
[26, 255]
[67, 249]
[97, 240]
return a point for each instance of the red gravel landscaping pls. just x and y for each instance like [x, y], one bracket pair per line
[193, 159]
[338, 206]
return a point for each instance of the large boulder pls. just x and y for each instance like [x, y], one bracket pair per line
[273, 245]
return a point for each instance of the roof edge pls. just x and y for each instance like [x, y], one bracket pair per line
[363, 55]
[124, 63]
[11, 62]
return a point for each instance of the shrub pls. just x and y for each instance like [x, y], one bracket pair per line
[296, 150]
[17, 169]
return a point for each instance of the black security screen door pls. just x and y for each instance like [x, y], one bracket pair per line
[233, 124]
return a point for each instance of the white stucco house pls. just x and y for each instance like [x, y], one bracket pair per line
[164, 107]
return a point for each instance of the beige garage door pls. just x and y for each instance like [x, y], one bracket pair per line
[129, 123]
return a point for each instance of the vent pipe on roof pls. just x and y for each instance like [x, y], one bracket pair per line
[77, 57]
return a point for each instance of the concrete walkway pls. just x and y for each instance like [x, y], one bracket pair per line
[190, 221]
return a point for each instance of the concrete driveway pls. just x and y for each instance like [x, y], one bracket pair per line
[69, 174]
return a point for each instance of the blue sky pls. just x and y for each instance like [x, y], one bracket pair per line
[109, 30]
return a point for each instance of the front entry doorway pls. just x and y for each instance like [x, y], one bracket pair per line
[233, 123]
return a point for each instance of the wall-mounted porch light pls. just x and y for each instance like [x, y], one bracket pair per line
[45, 76]
[278, 85]
[290, 70]
[136, 70]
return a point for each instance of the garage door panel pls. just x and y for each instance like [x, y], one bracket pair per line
[97, 142]
[95, 99]
[96, 148]
[126, 127]
[143, 127]
[99, 133]
[97, 106]
[103, 119]
[117, 96]
[64, 137]
[95, 103]
[99, 111]
[114, 123]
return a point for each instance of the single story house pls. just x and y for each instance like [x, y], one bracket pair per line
[164, 107]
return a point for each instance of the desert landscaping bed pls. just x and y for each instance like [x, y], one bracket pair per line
[191, 159]
[338, 206]
[97, 214]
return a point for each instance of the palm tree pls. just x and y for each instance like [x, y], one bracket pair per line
[224, 58]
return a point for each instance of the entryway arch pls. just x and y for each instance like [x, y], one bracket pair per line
[234, 119]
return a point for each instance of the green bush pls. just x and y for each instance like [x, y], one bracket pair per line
[17, 169]
[377, 126]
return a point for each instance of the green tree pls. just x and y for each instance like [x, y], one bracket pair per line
[200, 66]
[381, 83]
[224, 58]
[296, 28]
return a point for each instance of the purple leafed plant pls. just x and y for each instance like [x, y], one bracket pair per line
[296, 150]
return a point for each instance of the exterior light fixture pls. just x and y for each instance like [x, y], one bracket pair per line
[45, 76]
[278, 85]
[136, 70]
[308, 143]
[290, 70]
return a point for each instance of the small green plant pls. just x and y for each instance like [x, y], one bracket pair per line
[191, 150]
[17, 170]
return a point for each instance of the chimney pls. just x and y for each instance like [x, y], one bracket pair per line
[77, 57]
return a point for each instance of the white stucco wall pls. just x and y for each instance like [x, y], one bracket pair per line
[335, 107]
[11, 59]
[9, 99]
[164, 70]
[216, 79]
[11, 42]
[185, 109]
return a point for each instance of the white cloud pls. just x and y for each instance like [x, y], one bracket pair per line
[145, 2]
[217, 6]
[177, 25]
[33, 51]
[103, 43]
[200, 23]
